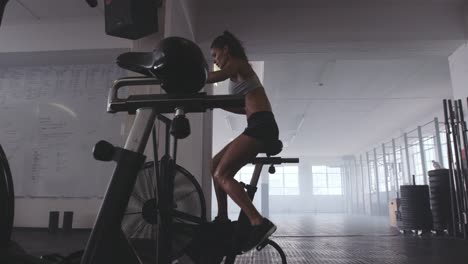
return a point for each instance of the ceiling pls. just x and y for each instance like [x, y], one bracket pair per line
[331, 97]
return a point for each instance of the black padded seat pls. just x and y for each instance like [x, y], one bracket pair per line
[140, 62]
[273, 148]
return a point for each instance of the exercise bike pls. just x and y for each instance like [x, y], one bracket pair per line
[197, 240]
[107, 243]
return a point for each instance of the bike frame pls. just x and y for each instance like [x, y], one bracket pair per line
[107, 243]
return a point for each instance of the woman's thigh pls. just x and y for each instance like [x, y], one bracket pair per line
[217, 158]
[240, 151]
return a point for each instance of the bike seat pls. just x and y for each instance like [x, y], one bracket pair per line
[273, 148]
[140, 62]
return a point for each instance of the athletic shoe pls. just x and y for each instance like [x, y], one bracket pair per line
[259, 233]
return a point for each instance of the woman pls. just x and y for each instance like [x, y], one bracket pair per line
[229, 56]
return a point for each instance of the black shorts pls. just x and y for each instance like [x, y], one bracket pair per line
[262, 126]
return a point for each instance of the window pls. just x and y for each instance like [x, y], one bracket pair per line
[285, 181]
[443, 143]
[417, 164]
[381, 174]
[429, 155]
[245, 174]
[326, 180]
[399, 168]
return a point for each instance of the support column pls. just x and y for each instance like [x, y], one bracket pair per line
[384, 156]
[370, 182]
[377, 187]
[395, 169]
[363, 185]
[408, 167]
[438, 143]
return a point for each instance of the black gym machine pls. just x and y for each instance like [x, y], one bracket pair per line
[130, 159]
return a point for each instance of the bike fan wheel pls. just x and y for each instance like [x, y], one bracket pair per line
[140, 223]
[7, 201]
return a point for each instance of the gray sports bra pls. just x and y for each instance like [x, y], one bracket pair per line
[245, 86]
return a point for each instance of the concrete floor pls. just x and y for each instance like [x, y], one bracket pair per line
[325, 239]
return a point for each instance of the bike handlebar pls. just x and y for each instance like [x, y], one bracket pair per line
[274, 160]
[165, 103]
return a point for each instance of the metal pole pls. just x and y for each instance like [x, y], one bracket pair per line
[453, 188]
[376, 171]
[456, 166]
[403, 173]
[358, 185]
[395, 169]
[438, 142]
[343, 188]
[463, 157]
[363, 184]
[385, 172]
[459, 165]
[405, 137]
[423, 154]
[358, 203]
[345, 178]
[369, 182]
[351, 187]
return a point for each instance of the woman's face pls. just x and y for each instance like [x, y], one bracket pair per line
[220, 56]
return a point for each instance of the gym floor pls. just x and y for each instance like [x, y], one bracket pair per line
[324, 238]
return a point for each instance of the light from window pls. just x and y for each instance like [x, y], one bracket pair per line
[245, 174]
[326, 180]
[285, 181]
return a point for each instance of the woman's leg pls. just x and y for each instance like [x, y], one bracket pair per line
[221, 195]
[241, 150]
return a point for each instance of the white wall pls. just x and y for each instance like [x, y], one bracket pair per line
[180, 20]
[35, 212]
[459, 72]
[71, 34]
[57, 42]
[64, 42]
[194, 153]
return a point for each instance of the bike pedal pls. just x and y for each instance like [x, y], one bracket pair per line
[262, 245]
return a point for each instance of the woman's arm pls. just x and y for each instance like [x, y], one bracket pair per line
[235, 110]
[221, 75]
[216, 76]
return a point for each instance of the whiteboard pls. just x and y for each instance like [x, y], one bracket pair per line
[50, 119]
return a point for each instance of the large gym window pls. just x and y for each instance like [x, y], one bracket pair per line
[326, 180]
[245, 174]
[429, 155]
[285, 181]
